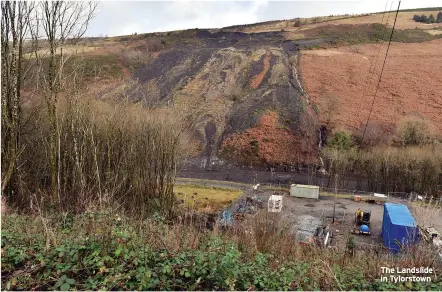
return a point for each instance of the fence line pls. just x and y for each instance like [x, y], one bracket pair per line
[397, 196]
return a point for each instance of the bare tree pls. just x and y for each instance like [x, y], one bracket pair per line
[14, 27]
[330, 109]
[61, 23]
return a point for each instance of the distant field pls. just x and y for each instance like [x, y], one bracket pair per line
[66, 50]
[404, 21]
[205, 199]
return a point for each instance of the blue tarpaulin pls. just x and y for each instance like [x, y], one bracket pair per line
[398, 227]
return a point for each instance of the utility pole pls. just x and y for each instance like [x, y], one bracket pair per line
[336, 194]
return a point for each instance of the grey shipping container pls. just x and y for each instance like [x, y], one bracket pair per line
[304, 191]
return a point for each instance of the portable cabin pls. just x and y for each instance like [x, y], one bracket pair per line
[399, 229]
[304, 191]
[275, 203]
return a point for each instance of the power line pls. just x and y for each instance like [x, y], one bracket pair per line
[382, 71]
[373, 65]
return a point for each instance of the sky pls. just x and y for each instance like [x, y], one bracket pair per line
[115, 18]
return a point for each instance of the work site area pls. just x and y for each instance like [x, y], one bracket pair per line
[318, 216]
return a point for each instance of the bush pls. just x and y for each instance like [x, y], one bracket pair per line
[133, 58]
[110, 153]
[417, 18]
[439, 17]
[340, 141]
[375, 135]
[388, 169]
[413, 131]
[431, 19]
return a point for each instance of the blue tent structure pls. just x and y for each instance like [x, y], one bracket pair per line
[398, 227]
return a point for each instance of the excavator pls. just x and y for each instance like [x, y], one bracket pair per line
[363, 218]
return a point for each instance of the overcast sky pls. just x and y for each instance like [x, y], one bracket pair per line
[126, 17]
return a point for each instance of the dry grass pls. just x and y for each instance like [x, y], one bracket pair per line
[425, 214]
[66, 50]
[434, 31]
[205, 199]
[404, 21]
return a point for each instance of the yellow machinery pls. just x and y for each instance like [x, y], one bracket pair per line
[362, 217]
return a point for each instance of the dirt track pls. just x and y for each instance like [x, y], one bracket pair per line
[411, 82]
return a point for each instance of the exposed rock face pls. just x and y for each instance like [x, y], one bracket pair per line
[239, 88]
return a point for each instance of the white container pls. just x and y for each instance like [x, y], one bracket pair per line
[304, 191]
[275, 203]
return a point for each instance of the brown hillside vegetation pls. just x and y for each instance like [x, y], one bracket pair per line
[411, 82]
[269, 142]
[404, 21]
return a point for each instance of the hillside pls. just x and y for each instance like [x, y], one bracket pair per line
[410, 85]
[257, 93]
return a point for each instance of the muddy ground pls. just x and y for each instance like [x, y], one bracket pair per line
[253, 175]
[345, 210]
[295, 208]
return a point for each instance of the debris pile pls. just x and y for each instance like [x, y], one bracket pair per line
[311, 230]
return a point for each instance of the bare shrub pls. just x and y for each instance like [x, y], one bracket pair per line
[111, 152]
[297, 23]
[414, 130]
[375, 135]
[154, 45]
[330, 109]
[425, 214]
[389, 169]
[133, 58]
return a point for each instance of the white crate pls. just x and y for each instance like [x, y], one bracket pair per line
[275, 203]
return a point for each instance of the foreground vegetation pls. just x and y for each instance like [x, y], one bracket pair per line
[97, 250]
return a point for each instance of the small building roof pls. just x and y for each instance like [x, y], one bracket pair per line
[275, 198]
[305, 186]
[400, 215]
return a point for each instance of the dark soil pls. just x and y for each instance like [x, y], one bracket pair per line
[251, 175]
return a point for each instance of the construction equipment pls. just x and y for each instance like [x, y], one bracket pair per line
[362, 217]
[254, 200]
[432, 236]
[363, 230]
[429, 233]
[226, 219]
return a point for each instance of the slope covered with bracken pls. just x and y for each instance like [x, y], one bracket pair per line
[411, 83]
